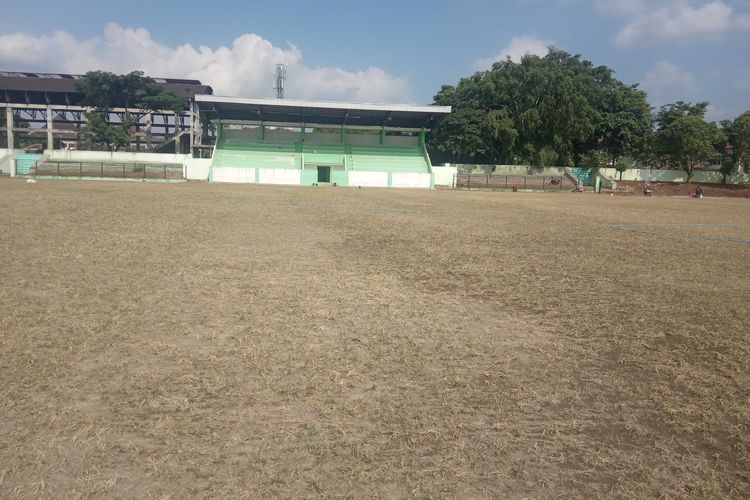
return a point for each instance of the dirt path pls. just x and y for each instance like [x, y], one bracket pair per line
[673, 189]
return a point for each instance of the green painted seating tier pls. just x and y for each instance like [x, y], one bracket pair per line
[238, 153]
[324, 154]
[388, 159]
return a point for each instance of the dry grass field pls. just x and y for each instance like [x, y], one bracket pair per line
[194, 340]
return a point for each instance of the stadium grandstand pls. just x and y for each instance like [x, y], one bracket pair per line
[274, 141]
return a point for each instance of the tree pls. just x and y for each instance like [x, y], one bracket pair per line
[621, 167]
[625, 121]
[688, 141]
[104, 91]
[646, 152]
[670, 113]
[596, 158]
[727, 167]
[741, 140]
[460, 138]
[113, 136]
[541, 111]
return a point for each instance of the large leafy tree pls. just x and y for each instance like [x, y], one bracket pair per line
[684, 139]
[551, 110]
[689, 141]
[670, 113]
[104, 91]
[740, 140]
[626, 121]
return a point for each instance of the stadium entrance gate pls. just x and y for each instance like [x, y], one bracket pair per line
[324, 175]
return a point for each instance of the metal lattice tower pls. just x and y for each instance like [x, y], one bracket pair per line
[280, 77]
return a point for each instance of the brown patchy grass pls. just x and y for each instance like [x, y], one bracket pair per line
[238, 341]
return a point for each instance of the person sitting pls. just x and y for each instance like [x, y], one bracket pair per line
[698, 192]
[647, 189]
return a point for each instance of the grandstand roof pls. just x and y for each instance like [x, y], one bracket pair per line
[12, 83]
[318, 112]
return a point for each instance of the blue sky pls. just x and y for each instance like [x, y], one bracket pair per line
[395, 51]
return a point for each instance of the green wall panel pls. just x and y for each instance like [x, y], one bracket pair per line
[308, 177]
[340, 177]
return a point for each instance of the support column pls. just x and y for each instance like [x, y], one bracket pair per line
[205, 130]
[422, 137]
[382, 135]
[343, 135]
[193, 125]
[149, 123]
[50, 137]
[138, 133]
[177, 133]
[262, 131]
[9, 123]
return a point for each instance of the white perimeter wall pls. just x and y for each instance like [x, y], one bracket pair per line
[444, 176]
[196, 169]
[279, 176]
[62, 154]
[192, 168]
[5, 158]
[710, 177]
[234, 174]
[285, 176]
[509, 170]
[368, 179]
[410, 180]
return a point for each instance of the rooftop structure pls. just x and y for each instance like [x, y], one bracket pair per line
[320, 112]
[60, 88]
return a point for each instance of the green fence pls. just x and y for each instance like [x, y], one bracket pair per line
[106, 170]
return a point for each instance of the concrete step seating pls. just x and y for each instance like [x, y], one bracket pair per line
[584, 174]
[25, 163]
[237, 153]
[324, 154]
[233, 152]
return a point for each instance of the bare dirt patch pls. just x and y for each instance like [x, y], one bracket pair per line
[674, 189]
[249, 341]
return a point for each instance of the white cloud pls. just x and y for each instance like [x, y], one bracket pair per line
[667, 75]
[518, 47]
[667, 82]
[243, 69]
[677, 20]
[620, 6]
